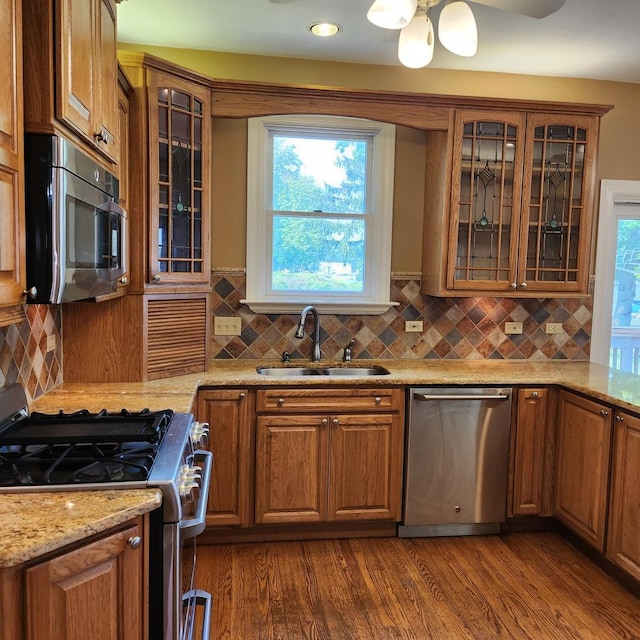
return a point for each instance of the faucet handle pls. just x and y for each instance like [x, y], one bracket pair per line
[348, 351]
[286, 356]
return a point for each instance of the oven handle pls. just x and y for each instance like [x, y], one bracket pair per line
[197, 597]
[191, 527]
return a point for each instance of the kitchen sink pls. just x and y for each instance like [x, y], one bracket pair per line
[353, 371]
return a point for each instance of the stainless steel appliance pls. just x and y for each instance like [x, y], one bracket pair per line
[76, 237]
[456, 460]
[123, 450]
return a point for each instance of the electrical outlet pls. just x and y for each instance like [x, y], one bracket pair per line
[553, 328]
[52, 342]
[224, 326]
[414, 325]
[512, 328]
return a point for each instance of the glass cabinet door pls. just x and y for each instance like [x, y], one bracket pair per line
[179, 243]
[557, 202]
[486, 198]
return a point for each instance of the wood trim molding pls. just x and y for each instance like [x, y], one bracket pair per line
[245, 99]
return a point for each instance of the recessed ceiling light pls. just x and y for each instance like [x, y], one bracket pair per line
[324, 29]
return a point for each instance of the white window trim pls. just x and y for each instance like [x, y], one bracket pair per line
[612, 192]
[378, 258]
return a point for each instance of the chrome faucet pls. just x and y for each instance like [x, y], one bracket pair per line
[315, 356]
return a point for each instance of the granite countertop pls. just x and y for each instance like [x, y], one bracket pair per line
[32, 524]
[179, 393]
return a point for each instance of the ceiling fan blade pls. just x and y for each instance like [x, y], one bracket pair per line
[531, 8]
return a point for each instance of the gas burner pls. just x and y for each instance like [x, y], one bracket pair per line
[101, 471]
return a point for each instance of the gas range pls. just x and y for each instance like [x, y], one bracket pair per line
[82, 451]
[115, 450]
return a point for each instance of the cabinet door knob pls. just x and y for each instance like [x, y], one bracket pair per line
[534, 394]
[324, 421]
[619, 419]
[134, 541]
[32, 292]
[336, 421]
[514, 285]
[378, 400]
[280, 401]
[243, 395]
[604, 412]
[156, 278]
[523, 285]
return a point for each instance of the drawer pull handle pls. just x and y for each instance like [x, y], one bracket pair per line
[280, 401]
[324, 421]
[534, 394]
[604, 412]
[378, 399]
[336, 421]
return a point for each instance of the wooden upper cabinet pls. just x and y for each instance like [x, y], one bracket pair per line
[12, 268]
[71, 72]
[519, 214]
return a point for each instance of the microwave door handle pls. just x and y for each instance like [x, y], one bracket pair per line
[114, 207]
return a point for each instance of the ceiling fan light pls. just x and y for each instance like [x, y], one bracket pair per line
[457, 29]
[415, 47]
[392, 14]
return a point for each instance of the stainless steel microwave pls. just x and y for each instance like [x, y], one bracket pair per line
[76, 240]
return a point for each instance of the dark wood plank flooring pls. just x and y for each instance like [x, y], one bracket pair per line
[521, 586]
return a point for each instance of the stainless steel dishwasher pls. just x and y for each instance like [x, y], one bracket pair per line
[457, 460]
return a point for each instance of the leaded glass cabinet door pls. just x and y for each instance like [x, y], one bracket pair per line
[179, 170]
[485, 200]
[557, 203]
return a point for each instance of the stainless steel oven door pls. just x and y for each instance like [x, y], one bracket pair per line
[181, 597]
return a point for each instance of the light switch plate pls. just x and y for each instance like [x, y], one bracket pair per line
[223, 326]
[414, 325]
[52, 342]
[512, 328]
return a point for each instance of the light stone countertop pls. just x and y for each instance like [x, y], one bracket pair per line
[32, 524]
[179, 393]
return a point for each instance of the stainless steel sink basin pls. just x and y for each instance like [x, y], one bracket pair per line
[352, 371]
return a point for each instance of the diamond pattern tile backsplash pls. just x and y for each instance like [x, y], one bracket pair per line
[453, 328]
[24, 357]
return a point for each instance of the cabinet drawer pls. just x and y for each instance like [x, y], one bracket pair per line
[326, 400]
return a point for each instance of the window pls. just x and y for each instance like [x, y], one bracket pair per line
[319, 213]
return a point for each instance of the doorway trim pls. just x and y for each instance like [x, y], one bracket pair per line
[612, 192]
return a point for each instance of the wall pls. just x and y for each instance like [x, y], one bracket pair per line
[23, 351]
[454, 328]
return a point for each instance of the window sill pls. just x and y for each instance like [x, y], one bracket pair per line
[336, 308]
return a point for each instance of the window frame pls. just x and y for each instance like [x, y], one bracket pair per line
[378, 218]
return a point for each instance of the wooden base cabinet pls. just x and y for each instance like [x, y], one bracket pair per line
[329, 455]
[533, 449]
[95, 590]
[227, 412]
[623, 542]
[583, 446]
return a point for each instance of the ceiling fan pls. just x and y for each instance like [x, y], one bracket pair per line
[457, 29]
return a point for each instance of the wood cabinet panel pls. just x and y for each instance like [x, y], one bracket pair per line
[327, 399]
[95, 591]
[623, 542]
[533, 445]
[12, 240]
[365, 468]
[227, 412]
[291, 470]
[582, 466]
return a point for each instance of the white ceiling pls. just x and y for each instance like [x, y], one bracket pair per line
[585, 39]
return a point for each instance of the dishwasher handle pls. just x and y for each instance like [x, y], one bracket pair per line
[427, 397]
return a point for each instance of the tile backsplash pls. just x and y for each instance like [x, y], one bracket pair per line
[453, 328]
[24, 350]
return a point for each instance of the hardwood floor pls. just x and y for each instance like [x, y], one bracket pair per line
[521, 586]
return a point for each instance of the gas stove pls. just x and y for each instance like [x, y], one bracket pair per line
[103, 450]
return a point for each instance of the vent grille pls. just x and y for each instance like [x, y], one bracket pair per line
[177, 337]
